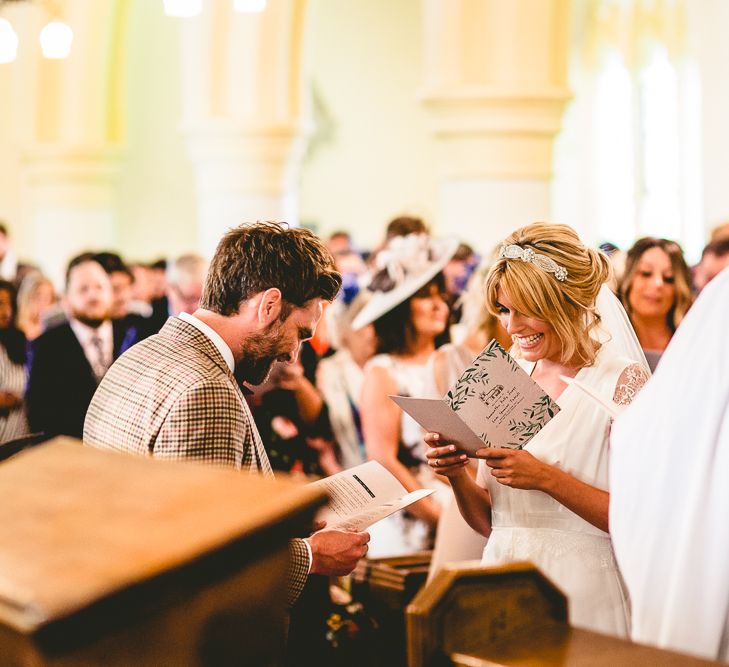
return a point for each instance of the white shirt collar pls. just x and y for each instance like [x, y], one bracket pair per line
[85, 333]
[214, 337]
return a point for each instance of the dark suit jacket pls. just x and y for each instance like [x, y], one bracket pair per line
[61, 382]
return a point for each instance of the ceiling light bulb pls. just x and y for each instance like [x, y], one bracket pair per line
[249, 6]
[183, 8]
[56, 39]
[8, 42]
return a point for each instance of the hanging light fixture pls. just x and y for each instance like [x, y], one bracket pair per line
[8, 42]
[182, 8]
[56, 39]
[249, 6]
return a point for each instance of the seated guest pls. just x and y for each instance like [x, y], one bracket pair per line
[13, 423]
[339, 378]
[36, 297]
[69, 360]
[137, 327]
[714, 259]
[409, 312]
[548, 502]
[184, 281]
[656, 293]
[669, 472]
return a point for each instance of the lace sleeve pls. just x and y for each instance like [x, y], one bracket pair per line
[630, 382]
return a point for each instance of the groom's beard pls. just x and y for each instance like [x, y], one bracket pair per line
[260, 352]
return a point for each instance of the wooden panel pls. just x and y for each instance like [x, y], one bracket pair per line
[105, 555]
[512, 616]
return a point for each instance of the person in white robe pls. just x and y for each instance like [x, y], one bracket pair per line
[669, 485]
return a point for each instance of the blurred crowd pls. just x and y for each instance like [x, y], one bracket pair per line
[330, 409]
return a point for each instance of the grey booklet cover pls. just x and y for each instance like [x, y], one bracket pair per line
[494, 404]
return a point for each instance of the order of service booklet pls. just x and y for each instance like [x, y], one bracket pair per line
[361, 496]
[494, 404]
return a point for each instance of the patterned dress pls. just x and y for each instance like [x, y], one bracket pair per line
[13, 422]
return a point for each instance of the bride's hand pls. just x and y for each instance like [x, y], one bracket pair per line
[443, 458]
[516, 468]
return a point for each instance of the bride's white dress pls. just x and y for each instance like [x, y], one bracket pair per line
[532, 526]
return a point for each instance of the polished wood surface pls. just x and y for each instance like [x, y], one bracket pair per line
[512, 616]
[111, 559]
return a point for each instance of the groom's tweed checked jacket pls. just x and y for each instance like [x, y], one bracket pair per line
[173, 396]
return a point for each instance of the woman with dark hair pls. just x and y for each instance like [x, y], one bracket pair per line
[409, 312]
[13, 423]
[656, 293]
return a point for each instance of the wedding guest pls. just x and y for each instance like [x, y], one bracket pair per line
[714, 259]
[409, 312]
[13, 422]
[36, 297]
[548, 502]
[69, 360]
[339, 378]
[656, 293]
[670, 488]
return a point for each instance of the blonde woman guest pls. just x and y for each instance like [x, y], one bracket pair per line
[409, 312]
[35, 297]
[548, 503]
[339, 378]
[656, 293]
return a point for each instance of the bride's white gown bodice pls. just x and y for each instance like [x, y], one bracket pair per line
[532, 526]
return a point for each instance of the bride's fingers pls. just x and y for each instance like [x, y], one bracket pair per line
[446, 461]
[436, 452]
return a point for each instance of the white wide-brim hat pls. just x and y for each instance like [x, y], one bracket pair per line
[412, 261]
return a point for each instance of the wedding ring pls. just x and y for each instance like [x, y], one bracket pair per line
[437, 462]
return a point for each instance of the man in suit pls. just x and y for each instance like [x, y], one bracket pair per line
[177, 394]
[67, 362]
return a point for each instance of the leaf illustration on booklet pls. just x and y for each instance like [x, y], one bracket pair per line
[494, 403]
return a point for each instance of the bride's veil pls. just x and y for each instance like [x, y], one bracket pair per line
[615, 331]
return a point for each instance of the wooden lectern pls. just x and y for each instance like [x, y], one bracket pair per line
[512, 616]
[107, 559]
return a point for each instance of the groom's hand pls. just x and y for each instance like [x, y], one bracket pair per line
[336, 552]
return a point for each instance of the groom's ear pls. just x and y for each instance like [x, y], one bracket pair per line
[269, 306]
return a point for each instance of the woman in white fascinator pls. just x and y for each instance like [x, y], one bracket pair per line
[409, 313]
[548, 502]
[669, 474]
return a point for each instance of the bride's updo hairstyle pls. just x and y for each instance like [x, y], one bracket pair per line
[562, 294]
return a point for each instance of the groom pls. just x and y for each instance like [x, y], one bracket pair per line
[176, 395]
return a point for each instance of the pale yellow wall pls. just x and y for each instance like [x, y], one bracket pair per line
[156, 193]
[375, 157]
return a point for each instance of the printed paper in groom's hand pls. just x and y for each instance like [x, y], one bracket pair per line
[494, 404]
[363, 495]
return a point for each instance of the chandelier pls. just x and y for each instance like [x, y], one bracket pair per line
[186, 8]
[55, 38]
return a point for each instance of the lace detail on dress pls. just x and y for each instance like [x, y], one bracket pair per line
[630, 382]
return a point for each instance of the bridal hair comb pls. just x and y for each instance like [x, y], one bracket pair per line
[528, 255]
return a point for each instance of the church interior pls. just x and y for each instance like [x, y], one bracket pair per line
[539, 183]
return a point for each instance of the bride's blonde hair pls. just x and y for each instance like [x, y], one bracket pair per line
[569, 304]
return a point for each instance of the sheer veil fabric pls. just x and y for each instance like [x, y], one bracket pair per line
[669, 472]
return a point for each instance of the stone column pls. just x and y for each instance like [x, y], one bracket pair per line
[495, 83]
[70, 138]
[241, 87]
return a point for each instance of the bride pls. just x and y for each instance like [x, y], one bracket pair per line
[548, 503]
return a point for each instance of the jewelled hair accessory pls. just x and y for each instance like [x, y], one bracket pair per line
[528, 255]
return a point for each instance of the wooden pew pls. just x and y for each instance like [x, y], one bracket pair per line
[107, 559]
[512, 615]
